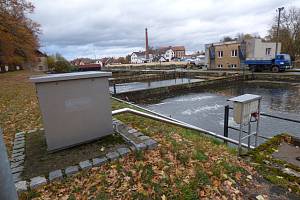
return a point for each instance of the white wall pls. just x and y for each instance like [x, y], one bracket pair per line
[169, 55]
[255, 48]
[135, 59]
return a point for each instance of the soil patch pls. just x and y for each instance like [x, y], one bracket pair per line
[39, 161]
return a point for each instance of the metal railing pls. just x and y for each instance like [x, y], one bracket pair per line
[227, 127]
[169, 120]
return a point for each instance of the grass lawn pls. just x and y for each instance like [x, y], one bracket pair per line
[19, 109]
[185, 165]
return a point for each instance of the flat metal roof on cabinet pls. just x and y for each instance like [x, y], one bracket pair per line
[69, 76]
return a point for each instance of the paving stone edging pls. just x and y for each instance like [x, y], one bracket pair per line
[135, 139]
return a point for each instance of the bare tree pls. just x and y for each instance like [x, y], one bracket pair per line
[227, 39]
[289, 31]
[245, 36]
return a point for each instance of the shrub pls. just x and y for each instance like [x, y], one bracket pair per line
[63, 66]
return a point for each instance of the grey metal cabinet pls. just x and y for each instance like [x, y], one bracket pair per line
[75, 107]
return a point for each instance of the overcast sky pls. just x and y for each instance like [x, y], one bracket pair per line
[98, 28]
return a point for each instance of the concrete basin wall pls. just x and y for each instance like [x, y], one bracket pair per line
[157, 93]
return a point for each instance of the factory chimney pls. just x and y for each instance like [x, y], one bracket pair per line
[147, 45]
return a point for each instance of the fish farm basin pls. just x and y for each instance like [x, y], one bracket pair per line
[205, 108]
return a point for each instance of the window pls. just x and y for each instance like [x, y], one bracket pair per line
[280, 57]
[232, 65]
[268, 51]
[220, 54]
[220, 66]
[234, 53]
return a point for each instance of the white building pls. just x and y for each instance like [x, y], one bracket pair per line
[256, 48]
[99, 62]
[137, 57]
[232, 54]
[169, 55]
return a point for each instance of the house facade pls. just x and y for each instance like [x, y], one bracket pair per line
[162, 54]
[137, 57]
[41, 63]
[232, 54]
[98, 62]
[169, 55]
[255, 48]
[179, 51]
[140, 57]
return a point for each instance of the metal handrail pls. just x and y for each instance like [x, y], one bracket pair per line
[260, 136]
[177, 123]
[276, 117]
[147, 110]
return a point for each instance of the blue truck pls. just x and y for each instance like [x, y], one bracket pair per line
[281, 62]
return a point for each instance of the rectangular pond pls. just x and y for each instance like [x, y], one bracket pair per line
[206, 109]
[134, 86]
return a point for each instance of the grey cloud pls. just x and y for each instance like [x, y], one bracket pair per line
[116, 27]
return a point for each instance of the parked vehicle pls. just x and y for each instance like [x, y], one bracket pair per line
[281, 62]
[199, 61]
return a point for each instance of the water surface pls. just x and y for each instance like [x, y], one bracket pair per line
[206, 109]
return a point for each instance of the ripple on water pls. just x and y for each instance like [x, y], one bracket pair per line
[201, 109]
[194, 99]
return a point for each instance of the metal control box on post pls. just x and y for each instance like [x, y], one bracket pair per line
[245, 108]
[75, 107]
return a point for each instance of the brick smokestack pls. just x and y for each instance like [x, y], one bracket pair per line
[147, 45]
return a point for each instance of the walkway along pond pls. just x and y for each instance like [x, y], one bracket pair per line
[135, 86]
[204, 106]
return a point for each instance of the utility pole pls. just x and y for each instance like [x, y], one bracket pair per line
[278, 24]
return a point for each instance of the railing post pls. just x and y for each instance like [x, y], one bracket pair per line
[249, 133]
[226, 120]
[7, 186]
[115, 89]
[257, 124]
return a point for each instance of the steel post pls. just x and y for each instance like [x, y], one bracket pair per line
[226, 120]
[257, 123]
[241, 130]
[115, 89]
[249, 132]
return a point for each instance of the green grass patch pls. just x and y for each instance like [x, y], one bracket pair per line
[190, 190]
[232, 169]
[202, 177]
[139, 155]
[183, 157]
[147, 174]
[199, 155]
[103, 196]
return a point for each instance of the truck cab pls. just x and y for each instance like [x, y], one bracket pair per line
[282, 61]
